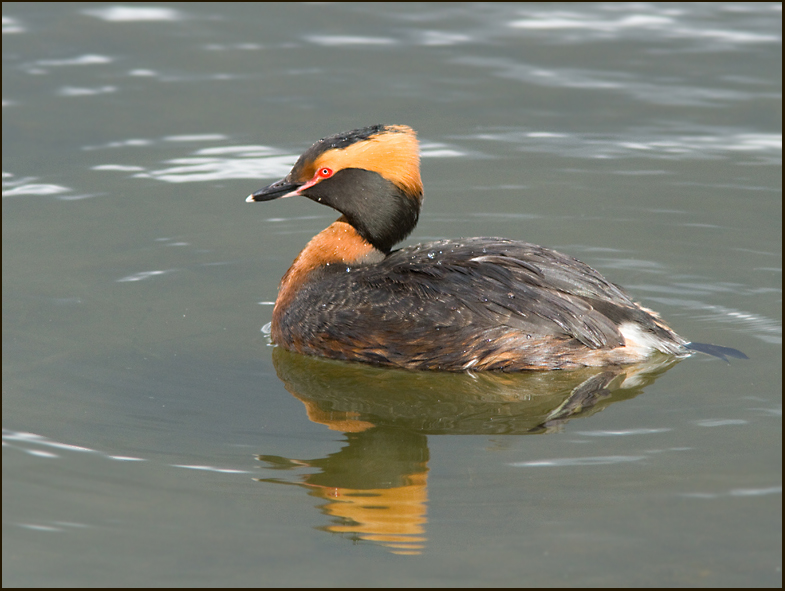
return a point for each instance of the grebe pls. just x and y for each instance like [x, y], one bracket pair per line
[465, 304]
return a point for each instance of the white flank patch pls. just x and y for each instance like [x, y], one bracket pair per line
[635, 338]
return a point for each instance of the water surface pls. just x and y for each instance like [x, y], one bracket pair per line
[153, 437]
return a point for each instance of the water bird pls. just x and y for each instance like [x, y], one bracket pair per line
[455, 305]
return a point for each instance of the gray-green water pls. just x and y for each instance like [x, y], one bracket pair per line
[151, 435]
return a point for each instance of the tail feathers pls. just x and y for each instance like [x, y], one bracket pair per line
[716, 351]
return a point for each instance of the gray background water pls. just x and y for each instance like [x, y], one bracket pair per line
[138, 387]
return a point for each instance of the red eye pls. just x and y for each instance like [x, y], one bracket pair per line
[325, 172]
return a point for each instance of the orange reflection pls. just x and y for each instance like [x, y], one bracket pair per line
[375, 487]
[394, 517]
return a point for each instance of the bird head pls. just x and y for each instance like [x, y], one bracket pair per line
[371, 175]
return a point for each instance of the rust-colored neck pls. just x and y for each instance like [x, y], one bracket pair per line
[339, 243]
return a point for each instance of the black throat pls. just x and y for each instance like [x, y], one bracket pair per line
[381, 211]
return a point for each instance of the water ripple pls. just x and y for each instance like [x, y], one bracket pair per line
[26, 186]
[127, 14]
[344, 40]
[11, 25]
[652, 22]
[719, 422]
[250, 162]
[659, 92]
[761, 327]
[737, 492]
[31, 442]
[590, 461]
[83, 91]
[601, 433]
[143, 275]
[655, 144]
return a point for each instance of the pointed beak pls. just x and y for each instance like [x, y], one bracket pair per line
[277, 190]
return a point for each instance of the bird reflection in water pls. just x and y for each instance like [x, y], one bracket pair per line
[375, 487]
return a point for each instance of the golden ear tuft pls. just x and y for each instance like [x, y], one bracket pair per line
[394, 153]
